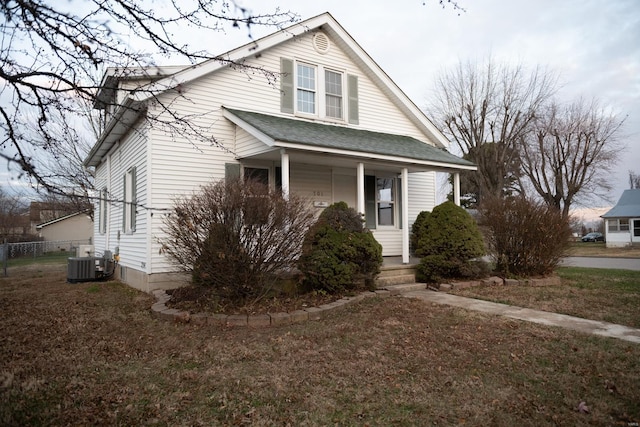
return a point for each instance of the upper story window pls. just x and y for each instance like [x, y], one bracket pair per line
[306, 88]
[317, 90]
[333, 94]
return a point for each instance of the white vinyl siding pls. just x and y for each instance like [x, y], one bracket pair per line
[422, 196]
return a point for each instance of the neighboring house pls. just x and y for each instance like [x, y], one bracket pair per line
[622, 222]
[332, 126]
[42, 212]
[76, 226]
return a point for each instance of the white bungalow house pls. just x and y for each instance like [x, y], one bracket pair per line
[622, 222]
[328, 124]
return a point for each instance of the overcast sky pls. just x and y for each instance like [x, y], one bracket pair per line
[593, 45]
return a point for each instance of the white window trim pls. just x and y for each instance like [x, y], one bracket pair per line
[616, 223]
[394, 204]
[320, 91]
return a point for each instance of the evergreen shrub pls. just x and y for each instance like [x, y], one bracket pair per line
[450, 245]
[338, 254]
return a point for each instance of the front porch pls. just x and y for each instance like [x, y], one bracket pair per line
[388, 178]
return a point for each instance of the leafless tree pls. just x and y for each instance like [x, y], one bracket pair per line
[488, 103]
[50, 51]
[634, 180]
[14, 218]
[570, 152]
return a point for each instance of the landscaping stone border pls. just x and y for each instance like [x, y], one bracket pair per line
[498, 281]
[160, 309]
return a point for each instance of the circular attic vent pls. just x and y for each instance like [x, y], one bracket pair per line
[321, 43]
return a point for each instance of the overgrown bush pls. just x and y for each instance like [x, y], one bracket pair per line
[526, 238]
[418, 230]
[237, 237]
[338, 253]
[450, 245]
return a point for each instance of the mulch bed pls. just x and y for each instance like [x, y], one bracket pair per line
[200, 299]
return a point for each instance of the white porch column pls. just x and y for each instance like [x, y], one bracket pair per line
[456, 188]
[360, 184]
[284, 163]
[405, 215]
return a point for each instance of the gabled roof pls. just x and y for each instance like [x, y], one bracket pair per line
[627, 207]
[134, 103]
[313, 136]
[45, 224]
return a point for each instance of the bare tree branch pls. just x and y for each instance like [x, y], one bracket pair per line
[570, 152]
[477, 104]
[50, 53]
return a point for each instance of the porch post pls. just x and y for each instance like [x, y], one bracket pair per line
[284, 163]
[405, 215]
[360, 184]
[456, 188]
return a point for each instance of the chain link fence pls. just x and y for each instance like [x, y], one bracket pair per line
[24, 252]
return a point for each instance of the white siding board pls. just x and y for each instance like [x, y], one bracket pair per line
[390, 239]
[422, 196]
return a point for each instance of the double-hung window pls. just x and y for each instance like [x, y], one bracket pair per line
[385, 200]
[333, 94]
[129, 201]
[616, 225]
[306, 88]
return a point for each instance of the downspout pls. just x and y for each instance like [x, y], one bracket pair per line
[405, 216]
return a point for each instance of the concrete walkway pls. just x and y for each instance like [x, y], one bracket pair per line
[552, 319]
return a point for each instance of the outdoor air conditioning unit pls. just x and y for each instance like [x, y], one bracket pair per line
[87, 269]
[82, 269]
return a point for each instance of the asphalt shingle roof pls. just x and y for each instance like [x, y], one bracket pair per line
[345, 138]
[627, 207]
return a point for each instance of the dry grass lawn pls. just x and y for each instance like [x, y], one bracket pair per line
[599, 249]
[92, 354]
[592, 293]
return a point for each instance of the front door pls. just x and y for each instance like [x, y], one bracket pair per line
[635, 232]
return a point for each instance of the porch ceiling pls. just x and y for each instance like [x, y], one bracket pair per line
[339, 142]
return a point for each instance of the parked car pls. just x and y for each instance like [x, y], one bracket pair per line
[593, 237]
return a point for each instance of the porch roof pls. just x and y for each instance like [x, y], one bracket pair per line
[282, 131]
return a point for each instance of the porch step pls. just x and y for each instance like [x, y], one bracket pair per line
[396, 275]
[405, 287]
[383, 282]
